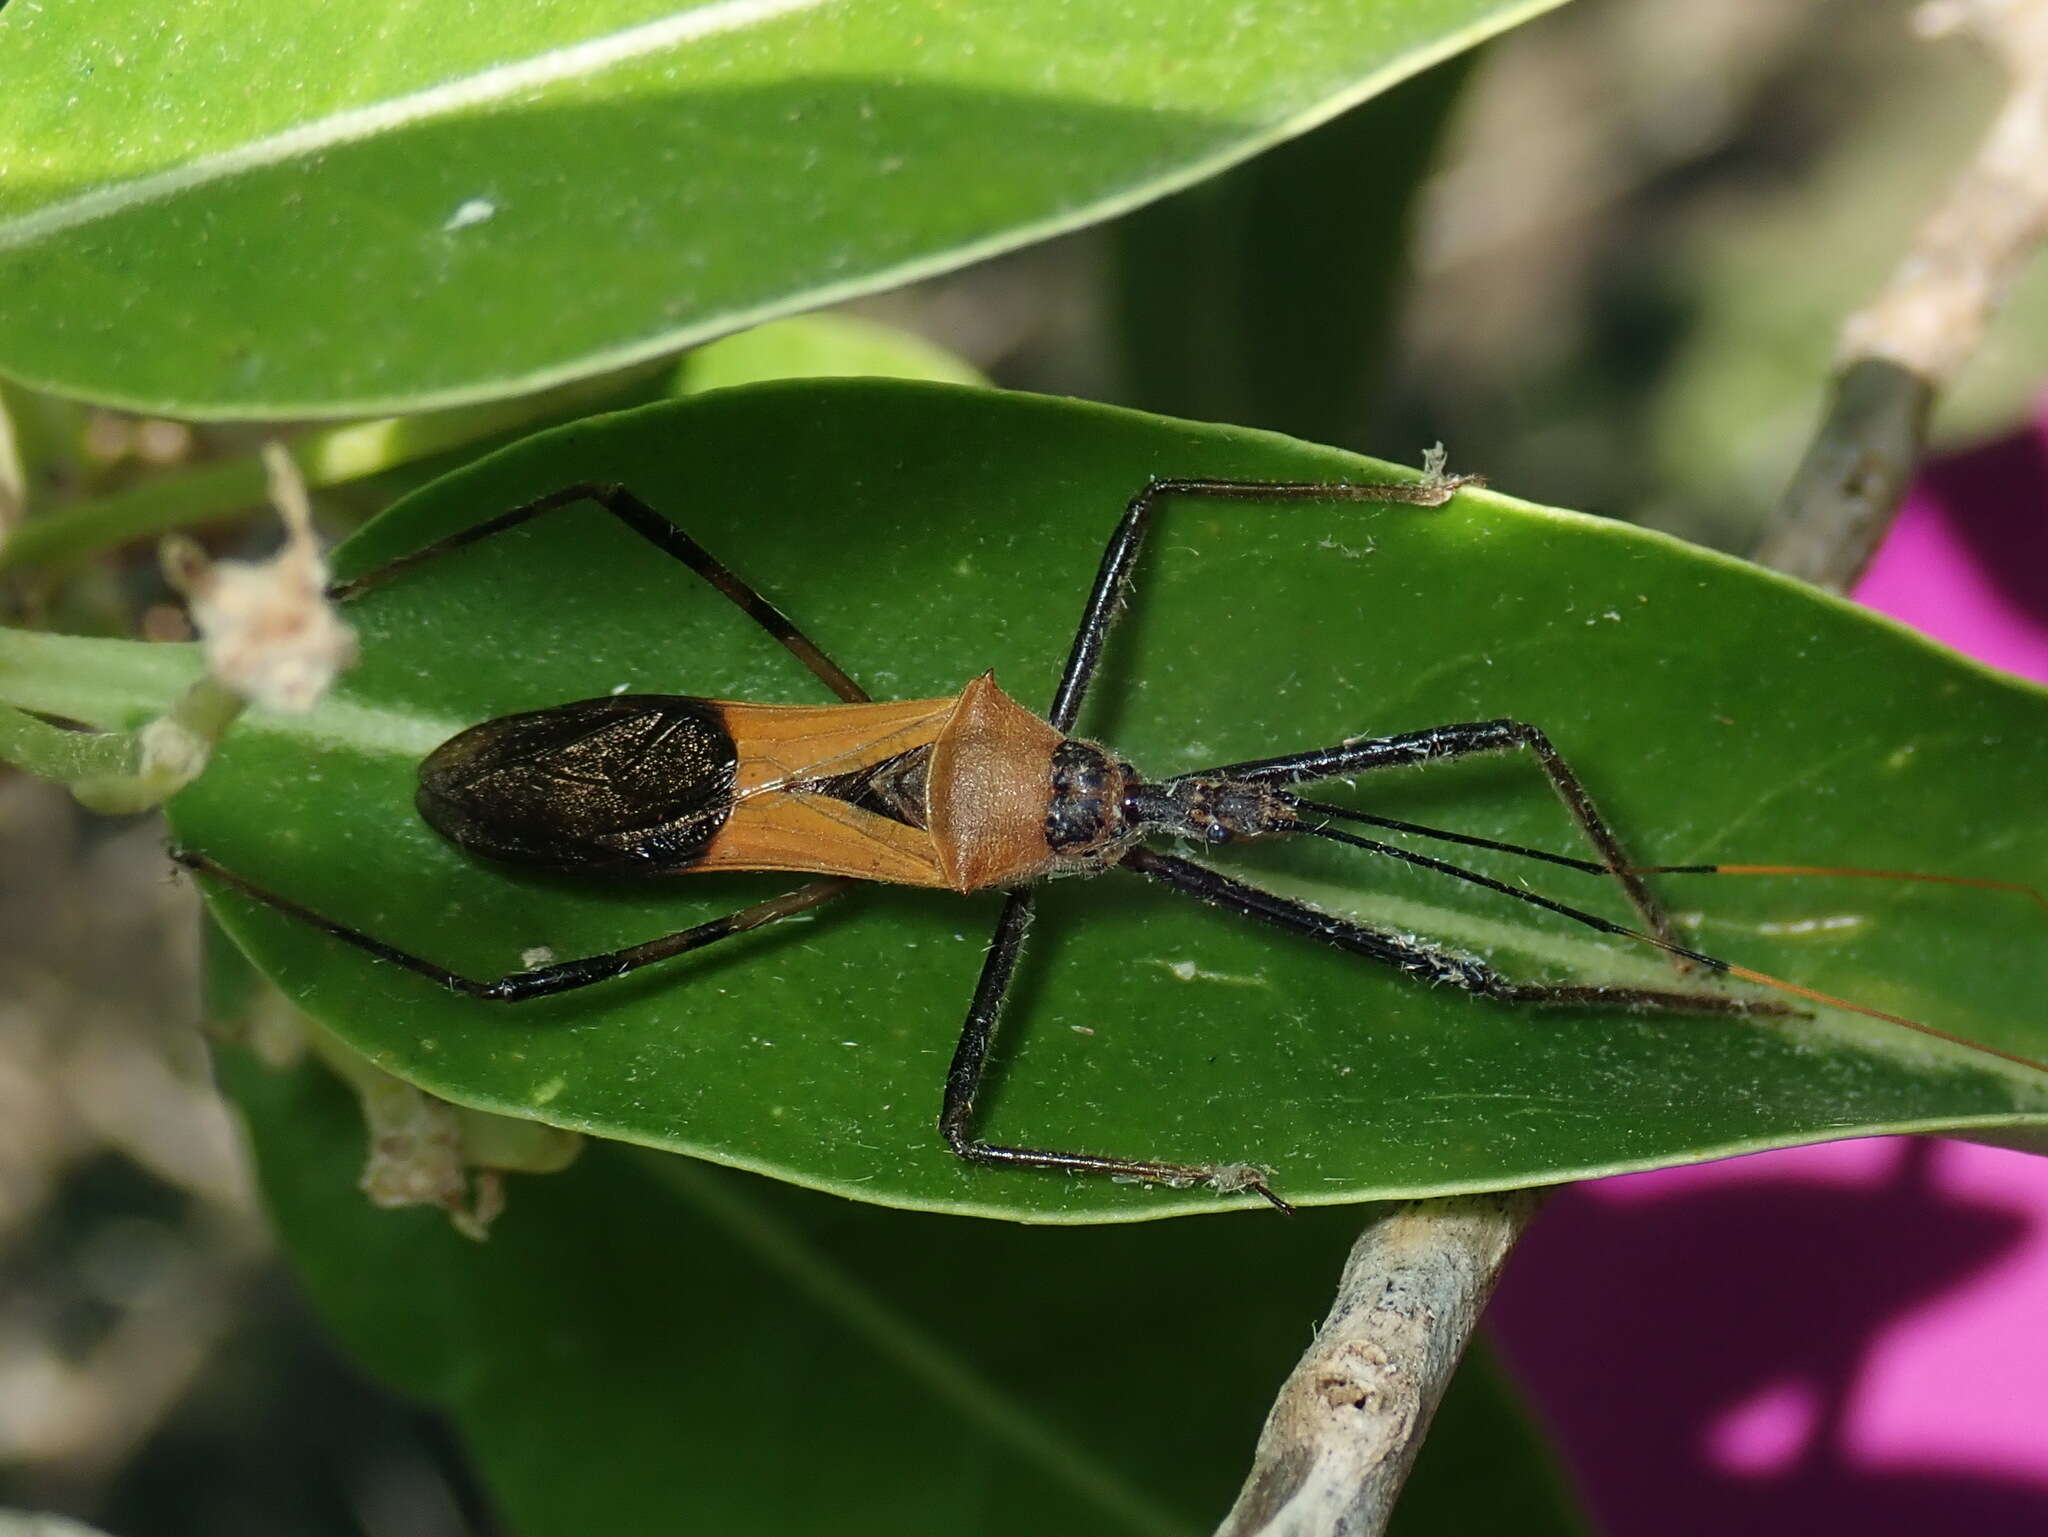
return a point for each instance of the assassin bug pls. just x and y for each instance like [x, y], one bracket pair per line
[968, 792]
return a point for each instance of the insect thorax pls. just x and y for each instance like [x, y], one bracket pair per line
[992, 793]
[1085, 821]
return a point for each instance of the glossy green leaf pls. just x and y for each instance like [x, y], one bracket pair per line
[922, 534]
[296, 211]
[647, 1345]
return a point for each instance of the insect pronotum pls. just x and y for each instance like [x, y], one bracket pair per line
[968, 792]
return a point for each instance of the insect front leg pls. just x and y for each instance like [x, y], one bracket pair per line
[1121, 556]
[1441, 744]
[539, 981]
[970, 1061]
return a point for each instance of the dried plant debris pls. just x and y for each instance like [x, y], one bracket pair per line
[268, 630]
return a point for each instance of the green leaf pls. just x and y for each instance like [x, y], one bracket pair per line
[995, 1384]
[648, 1345]
[922, 534]
[295, 211]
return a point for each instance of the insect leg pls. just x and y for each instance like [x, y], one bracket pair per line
[970, 1060]
[1422, 962]
[1440, 744]
[658, 531]
[539, 981]
[1114, 576]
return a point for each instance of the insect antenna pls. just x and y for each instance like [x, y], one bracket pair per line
[1442, 835]
[2032, 894]
[1607, 926]
[1592, 867]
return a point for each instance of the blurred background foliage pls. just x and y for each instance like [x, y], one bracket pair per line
[1632, 234]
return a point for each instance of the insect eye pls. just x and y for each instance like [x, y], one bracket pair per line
[1218, 833]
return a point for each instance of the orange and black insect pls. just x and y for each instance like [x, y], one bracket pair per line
[970, 792]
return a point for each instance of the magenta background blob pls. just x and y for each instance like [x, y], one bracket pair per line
[1851, 1337]
[1768, 1433]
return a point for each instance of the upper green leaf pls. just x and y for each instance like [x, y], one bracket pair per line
[922, 534]
[294, 210]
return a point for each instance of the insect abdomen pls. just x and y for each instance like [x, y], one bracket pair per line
[631, 782]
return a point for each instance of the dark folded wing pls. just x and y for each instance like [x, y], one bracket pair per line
[628, 782]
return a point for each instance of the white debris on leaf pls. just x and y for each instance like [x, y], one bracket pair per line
[268, 630]
[171, 753]
[1231, 1178]
[1436, 474]
[475, 210]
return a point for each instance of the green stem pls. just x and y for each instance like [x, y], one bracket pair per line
[52, 752]
[158, 505]
[168, 753]
[103, 682]
[328, 458]
[110, 684]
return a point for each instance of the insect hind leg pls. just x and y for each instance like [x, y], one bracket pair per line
[658, 530]
[1424, 962]
[535, 982]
